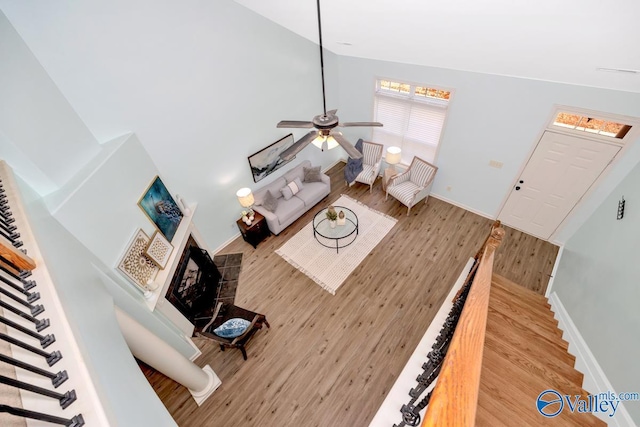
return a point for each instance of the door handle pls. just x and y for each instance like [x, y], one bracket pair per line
[518, 187]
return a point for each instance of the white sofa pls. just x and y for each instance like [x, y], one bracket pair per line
[287, 211]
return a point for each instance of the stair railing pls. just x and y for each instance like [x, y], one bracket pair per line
[454, 399]
[28, 331]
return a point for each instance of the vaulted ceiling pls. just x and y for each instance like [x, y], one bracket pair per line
[570, 41]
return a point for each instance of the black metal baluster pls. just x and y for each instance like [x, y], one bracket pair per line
[76, 421]
[40, 325]
[65, 399]
[56, 379]
[21, 289]
[35, 309]
[20, 275]
[431, 368]
[51, 358]
[14, 284]
[45, 340]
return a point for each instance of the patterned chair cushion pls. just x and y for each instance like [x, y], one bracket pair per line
[232, 328]
[371, 154]
[421, 173]
[367, 174]
[404, 192]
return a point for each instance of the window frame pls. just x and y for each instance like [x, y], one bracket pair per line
[630, 136]
[411, 97]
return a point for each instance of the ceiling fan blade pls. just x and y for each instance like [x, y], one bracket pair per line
[348, 147]
[294, 124]
[332, 112]
[349, 124]
[297, 146]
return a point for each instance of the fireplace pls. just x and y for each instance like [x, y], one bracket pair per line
[195, 284]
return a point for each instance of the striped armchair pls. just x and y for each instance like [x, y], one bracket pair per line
[371, 163]
[414, 184]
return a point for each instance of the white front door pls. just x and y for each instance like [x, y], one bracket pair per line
[557, 175]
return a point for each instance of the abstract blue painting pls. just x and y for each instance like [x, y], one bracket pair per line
[161, 209]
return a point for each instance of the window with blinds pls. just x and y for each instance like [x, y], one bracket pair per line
[413, 117]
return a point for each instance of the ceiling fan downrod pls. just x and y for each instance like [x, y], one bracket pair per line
[324, 101]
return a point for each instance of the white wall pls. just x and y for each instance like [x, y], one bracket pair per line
[597, 282]
[202, 85]
[490, 118]
[100, 205]
[125, 393]
[40, 133]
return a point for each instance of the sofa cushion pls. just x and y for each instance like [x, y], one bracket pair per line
[288, 209]
[312, 193]
[274, 187]
[291, 189]
[297, 172]
[270, 202]
[312, 174]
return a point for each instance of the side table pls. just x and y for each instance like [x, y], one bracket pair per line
[388, 174]
[256, 232]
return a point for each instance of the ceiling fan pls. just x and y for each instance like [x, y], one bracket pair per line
[324, 136]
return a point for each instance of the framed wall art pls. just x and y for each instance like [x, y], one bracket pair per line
[161, 208]
[134, 263]
[267, 160]
[159, 250]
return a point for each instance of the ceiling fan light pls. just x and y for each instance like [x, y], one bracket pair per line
[319, 141]
[332, 143]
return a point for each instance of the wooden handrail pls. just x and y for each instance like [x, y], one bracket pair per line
[15, 256]
[455, 396]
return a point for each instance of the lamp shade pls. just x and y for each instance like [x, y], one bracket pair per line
[393, 155]
[325, 142]
[245, 197]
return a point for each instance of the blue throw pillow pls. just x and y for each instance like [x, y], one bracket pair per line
[232, 328]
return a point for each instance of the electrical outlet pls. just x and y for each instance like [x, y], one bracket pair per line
[495, 164]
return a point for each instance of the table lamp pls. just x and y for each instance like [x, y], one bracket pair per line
[245, 197]
[393, 157]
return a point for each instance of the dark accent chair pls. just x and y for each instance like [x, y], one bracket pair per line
[224, 311]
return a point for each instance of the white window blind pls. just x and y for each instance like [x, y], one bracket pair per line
[411, 122]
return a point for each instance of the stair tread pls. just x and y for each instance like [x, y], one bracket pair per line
[508, 400]
[531, 374]
[513, 287]
[534, 304]
[559, 365]
[529, 343]
[524, 355]
[530, 329]
[523, 314]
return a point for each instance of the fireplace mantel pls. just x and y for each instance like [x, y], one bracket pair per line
[163, 279]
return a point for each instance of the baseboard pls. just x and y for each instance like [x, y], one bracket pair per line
[197, 352]
[553, 272]
[460, 205]
[595, 381]
[228, 241]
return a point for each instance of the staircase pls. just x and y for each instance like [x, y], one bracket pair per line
[524, 355]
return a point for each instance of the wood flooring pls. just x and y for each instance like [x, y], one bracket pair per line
[330, 360]
[524, 355]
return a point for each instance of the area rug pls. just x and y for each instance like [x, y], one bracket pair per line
[323, 265]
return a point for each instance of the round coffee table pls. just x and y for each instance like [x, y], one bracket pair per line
[340, 236]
